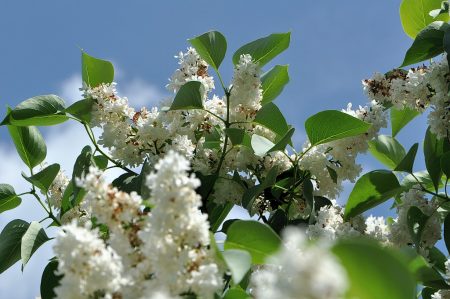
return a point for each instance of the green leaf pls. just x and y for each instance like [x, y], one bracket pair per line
[283, 142]
[423, 178]
[271, 117]
[81, 168]
[251, 193]
[261, 145]
[238, 137]
[407, 162]
[33, 238]
[387, 150]
[447, 232]
[50, 280]
[211, 46]
[428, 44]
[256, 238]
[10, 240]
[101, 161]
[8, 198]
[332, 125]
[188, 97]
[264, 49]
[45, 110]
[235, 293]
[422, 270]
[273, 82]
[372, 189]
[433, 149]
[443, 10]
[44, 178]
[416, 224]
[414, 15]
[96, 71]
[238, 262]
[29, 144]
[81, 110]
[400, 118]
[445, 164]
[217, 214]
[374, 272]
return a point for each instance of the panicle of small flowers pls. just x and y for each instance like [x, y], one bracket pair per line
[176, 238]
[417, 89]
[89, 266]
[400, 235]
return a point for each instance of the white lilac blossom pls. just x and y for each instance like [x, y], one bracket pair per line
[300, 270]
[377, 229]
[330, 224]
[88, 265]
[246, 91]
[400, 235]
[417, 89]
[192, 68]
[177, 234]
[109, 205]
[56, 190]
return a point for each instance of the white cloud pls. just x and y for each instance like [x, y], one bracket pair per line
[140, 93]
[70, 88]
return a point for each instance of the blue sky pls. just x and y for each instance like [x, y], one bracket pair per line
[334, 45]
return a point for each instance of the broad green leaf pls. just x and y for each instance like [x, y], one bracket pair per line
[33, 238]
[96, 71]
[10, 240]
[372, 189]
[50, 280]
[264, 49]
[81, 110]
[445, 164]
[416, 224]
[387, 150]
[101, 161]
[415, 16]
[283, 142]
[422, 177]
[443, 10]
[437, 259]
[422, 270]
[211, 46]
[428, 44]
[261, 145]
[433, 149]
[374, 272]
[273, 82]
[447, 232]
[80, 169]
[332, 125]
[8, 198]
[217, 214]
[45, 110]
[251, 193]
[238, 262]
[188, 97]
[400, 118]
[29, 144]
[44, 178]
[238, 137]
[278, 220]
[256, 238]
[235, 293]
[407, 163]
[271, 117]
